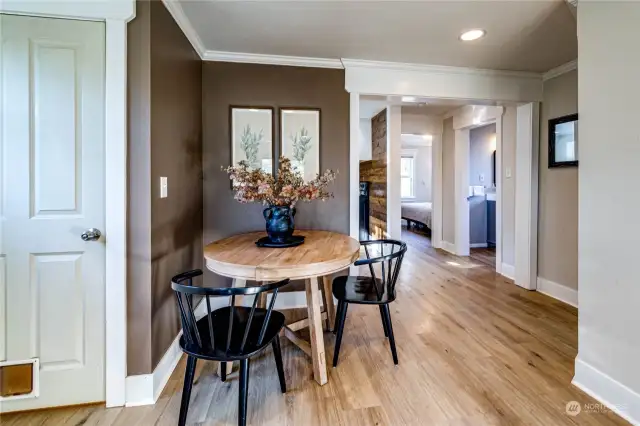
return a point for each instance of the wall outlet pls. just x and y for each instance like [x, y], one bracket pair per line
[507, 172]
[481, 177]
[164, 186]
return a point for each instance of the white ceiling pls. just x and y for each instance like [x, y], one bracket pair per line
[370, 105]
[522, 35]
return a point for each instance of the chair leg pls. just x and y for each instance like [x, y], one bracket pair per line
[392, 341]
[277, 354]
[341, 320]
[384, 322]
[338, 313]
[186, 390]
[223, 371]
[243, 392]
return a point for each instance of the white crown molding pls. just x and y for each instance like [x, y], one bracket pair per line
[256, 58]
[175, 9]
[562, 69]
[435, 69]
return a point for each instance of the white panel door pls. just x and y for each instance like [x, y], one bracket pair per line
[52, 180]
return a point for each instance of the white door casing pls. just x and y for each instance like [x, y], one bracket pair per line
[53, 151]
[394, 131]
[526, 221]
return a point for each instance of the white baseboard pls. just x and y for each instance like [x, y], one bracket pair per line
[619, 398]
[145, 389]
[558, 291]
[448, 247]
[508, 271]
[478, 245]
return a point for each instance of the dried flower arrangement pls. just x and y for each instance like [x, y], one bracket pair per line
[285, 189]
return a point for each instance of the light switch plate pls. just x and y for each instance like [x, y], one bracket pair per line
[507, 172]
[163, 187]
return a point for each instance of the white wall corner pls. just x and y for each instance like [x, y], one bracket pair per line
[507, 270]
[622, 400]
[558, 291]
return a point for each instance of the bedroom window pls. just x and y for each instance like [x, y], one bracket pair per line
[407, 176]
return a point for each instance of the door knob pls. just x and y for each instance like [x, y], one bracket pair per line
[91, 234]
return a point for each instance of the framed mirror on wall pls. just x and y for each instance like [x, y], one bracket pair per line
[563, 141]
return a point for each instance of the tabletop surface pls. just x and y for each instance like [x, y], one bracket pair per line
[322, 253]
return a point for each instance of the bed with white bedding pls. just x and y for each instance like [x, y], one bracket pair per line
[417, 212]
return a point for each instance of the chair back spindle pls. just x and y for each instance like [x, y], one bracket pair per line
[389, 256]
[234, 342]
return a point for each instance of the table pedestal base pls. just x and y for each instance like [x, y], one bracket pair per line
[314, 348]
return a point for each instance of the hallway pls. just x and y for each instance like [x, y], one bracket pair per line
[474, 349]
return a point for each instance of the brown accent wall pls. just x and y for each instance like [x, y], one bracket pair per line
[165, 125]
[376, 173]
[226, 84]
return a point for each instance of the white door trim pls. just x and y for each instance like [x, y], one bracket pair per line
[116, 14]
[461, 189]
[116, 211]
[434, 82]
[354, 165]
[394, 213]
[526, 224]
[436, 191]
[464, 119]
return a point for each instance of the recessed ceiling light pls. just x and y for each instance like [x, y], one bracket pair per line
[472, 35]
[408, 99]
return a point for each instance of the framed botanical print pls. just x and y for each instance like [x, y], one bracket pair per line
[300, 139]
[251, 130]
[563, 141]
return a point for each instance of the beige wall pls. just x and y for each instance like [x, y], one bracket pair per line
[509, 127]
[448, 182]
[558, 191]
[165, 125]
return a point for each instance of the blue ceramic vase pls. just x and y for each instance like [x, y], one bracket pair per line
[279, 222]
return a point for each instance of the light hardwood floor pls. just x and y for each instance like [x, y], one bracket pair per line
[474, 349]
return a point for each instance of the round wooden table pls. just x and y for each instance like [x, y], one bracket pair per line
[322, 254]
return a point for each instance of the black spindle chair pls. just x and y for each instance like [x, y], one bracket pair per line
[232, 333]
[372, 290]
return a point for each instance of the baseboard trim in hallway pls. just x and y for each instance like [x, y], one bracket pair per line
[558, 291]
[508, 271]
[613, 394]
